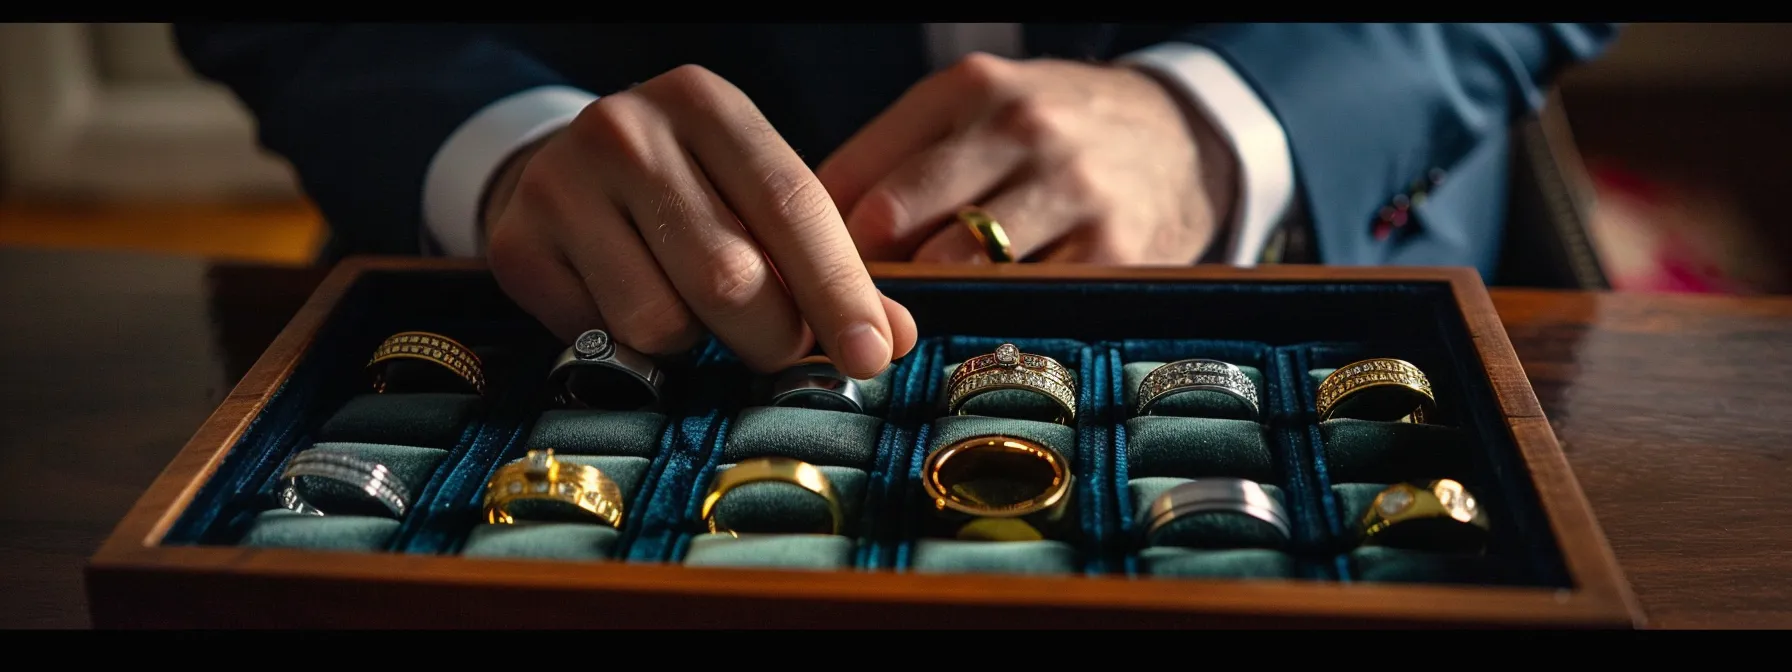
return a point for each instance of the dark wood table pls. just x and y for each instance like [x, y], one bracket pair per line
[1672, 409]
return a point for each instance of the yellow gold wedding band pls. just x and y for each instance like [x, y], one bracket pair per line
[1376, 389]
[429, 347]
[958, 477]
[776, 470]
[540, 477]
[988, 233]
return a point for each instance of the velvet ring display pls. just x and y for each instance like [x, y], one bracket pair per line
[1010, 369]
[998, 488]
[1215, 495]
[773, 470]
[365, 476]
[552, 490]
[1439, 515]
[598, 372]
[446, 353]
[1376, 389]
[817, 385]
[1191, 375]
[989, 234]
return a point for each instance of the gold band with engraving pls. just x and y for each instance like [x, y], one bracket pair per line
[776, 470]
[951, 477]
[429, 347]
[988, 233]
[1376, 389]
[1440, 515]
[541, 477]
[1010, 369]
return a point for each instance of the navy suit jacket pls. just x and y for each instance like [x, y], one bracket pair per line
[1370, 110]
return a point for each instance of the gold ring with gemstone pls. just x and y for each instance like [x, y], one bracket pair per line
[1190, 375]
[774, 470]
[1010, 369]
[998, 488]
[1376, 389]
[429, 347]
[1440, 515]
[539, 477]
[988, 233]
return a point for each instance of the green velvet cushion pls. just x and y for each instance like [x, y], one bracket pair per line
[1198, 447]
[1206, 530]
[821, 438]
[598, 432]
[950, 556]
[1223, 564]
[954, 428]
[350, 519]
[1018, 404]
[770, 507]
[280, 528]
[434, 420]
[1193, 403]
[1366, 451]
[1394, 565]
[550, 531]
[780, 551]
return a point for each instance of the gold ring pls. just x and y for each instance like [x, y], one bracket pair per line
[1376, 389]
[988, 233]
[434, 348]
[1010, 369]
[1439, 515]
[1003, 488]
[776, 470]
[539, 477]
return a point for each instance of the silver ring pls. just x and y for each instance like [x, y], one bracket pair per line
[1235, 495]
[1196, 374]
[817, 385]
[595, 349]
[369, 477]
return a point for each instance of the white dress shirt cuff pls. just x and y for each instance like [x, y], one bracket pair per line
[455, 184]
[1265, 167]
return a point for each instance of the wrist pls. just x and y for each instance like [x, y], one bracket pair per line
[502, 185]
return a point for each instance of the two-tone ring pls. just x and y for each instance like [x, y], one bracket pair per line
[1376, 389]
[998, 488]
[1191, 375]
[1010, 369]
[598, 372]
[552, 486]
[1215, 495]
[819, 385]
[1435, 515]
[372, 478]
[771, 469]
[437, 349]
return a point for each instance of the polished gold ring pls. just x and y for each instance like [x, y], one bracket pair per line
[999, 488]
[539, 477]
[1376, 389]
[988, 233]
[1010, 369]
[776, 470]
[429, 347]
[1438, 515]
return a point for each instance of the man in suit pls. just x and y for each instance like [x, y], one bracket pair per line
[666, 180]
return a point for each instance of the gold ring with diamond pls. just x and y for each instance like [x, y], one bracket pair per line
[776, 470]
[559, 486]
[1010, 369]
[429, 347]
[1190, 375]
[1376, 389]
[988, 233]
[998, 488]
[1440, 515]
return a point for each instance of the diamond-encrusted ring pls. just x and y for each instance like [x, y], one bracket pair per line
[428, 347]
[1189, 375]
[598, 372]
[1215, 495]
[366, 476]
[817, 385]
[1440, 515]
[1376, 389]
[556, 487]
[774, 470]
[1010, 369]
[998, 488]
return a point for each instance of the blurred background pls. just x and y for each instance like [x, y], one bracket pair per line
[1676, 143]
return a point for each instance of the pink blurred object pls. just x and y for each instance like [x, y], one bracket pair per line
[1660, 236]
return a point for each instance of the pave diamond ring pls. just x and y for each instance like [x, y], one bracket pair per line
[598, 372]
[372, 479]
[552, 486]
[1191, 375]
[1376, 389]
[1010, 369]
[424, 346]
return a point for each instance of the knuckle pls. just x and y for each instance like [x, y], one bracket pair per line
[657, 326]
[694, 86]
[874, 223]
[1027, 121]
[734, 276]
[979, 70]
[1082, 183]
[614, 127]
[798, 199]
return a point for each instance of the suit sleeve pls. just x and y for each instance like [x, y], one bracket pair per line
[360, 110]
[1371, 109]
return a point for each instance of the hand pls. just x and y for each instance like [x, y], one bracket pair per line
[675, 206]
[1078, 162]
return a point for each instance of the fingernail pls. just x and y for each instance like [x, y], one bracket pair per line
[863, 350]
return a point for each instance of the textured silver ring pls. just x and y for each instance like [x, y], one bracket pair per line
[375, 479]
[1233, 495]
[595, 351]
[1189, 375]
[817, 385]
